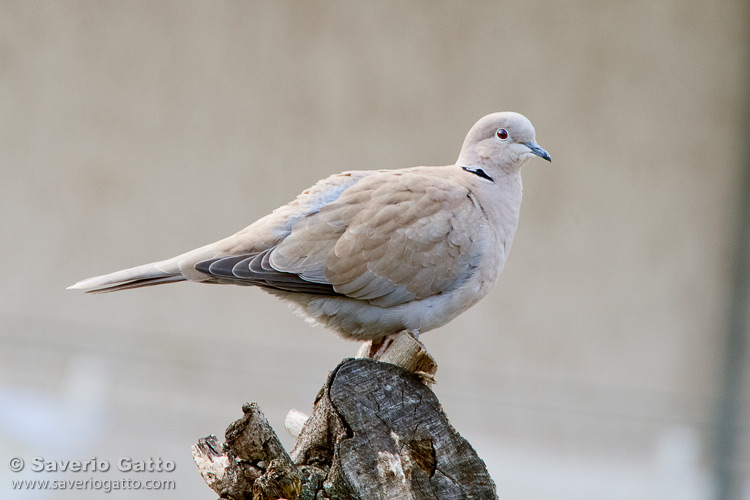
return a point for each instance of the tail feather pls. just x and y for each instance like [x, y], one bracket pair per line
[138, 284]
[179, 268]
[135, 277]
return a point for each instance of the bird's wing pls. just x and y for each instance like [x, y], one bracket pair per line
[388, 239]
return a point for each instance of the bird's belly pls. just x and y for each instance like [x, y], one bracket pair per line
[361, 320]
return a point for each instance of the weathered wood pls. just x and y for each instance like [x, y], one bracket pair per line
[253, 439]
[390, 438]
[219, 472]
[281, 480]
[249, 461]
[376, 432]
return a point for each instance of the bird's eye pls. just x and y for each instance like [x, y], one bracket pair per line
[501, 134]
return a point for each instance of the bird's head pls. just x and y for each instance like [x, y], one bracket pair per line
[500, 141]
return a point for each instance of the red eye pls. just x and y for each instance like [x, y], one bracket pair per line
[501, 133]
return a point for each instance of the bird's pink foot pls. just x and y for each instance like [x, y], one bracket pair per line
[379, 347]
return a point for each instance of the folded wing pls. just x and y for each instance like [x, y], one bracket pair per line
[388, 239]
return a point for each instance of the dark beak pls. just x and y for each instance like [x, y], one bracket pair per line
[537, 150]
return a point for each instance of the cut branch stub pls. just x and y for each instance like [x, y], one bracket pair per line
[253, 439]
[405, 350]
[252, 464]
[229, 477]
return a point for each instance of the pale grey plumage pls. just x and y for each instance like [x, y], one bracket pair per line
[371, 253]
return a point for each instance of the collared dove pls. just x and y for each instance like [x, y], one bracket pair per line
[372, 253]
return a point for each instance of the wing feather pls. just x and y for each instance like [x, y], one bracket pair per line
[389, 239]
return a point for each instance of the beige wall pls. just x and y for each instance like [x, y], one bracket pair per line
[132, 131]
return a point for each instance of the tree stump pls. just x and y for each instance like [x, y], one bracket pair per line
[376, 432]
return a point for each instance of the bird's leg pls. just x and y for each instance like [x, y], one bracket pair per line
[379, 347]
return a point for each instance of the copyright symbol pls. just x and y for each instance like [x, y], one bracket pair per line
[16, 464]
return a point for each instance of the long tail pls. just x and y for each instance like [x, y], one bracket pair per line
[135, 277]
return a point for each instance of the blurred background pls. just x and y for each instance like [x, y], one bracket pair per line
[607, 363]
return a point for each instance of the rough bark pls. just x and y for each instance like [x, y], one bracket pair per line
[376, 432]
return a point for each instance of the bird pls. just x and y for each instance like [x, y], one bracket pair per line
[372, 253]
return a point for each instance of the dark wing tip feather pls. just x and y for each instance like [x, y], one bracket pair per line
[253, 269]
